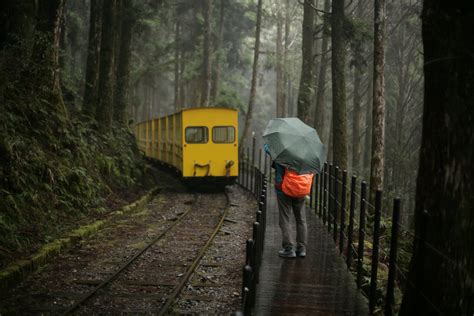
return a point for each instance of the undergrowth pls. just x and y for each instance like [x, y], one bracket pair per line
[54, 170]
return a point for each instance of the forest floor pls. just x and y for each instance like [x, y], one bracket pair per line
[76, 271]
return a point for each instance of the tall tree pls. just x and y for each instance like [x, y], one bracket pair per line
[127, 22]
[104, 110]
[280, 102]
[338, 55]
[285, 95]
[92, 66]
[253, 87]
[177, 62]
[319, 115]
[206, 65]
[17, 21]
[46, 49]
[442, 266]
[305, 94]
[216, 78]
[378, 107]
[359, 70]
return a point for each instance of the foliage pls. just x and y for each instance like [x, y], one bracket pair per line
[53, 170]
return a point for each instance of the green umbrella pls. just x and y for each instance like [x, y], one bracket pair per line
[294, 145]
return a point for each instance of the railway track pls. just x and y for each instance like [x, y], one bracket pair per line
[149, 277]
[112, 275]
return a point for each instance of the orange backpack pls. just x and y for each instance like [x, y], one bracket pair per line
[296, 185]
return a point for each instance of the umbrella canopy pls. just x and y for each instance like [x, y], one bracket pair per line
[295, 145]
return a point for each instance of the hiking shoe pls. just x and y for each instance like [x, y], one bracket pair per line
[301, 253]
[287, 253]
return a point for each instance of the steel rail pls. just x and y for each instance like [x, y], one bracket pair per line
[170, 300]
[125, 265]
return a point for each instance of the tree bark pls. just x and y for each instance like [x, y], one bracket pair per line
[280, 102]
[206, 65]
[46, 50]
[122, 86]
[359, 70]
[93, 53]
[305, 94]
[339, 119]
[378, 107]
[442, 266]
[285, 60]
[104, 110]
[219, 53]
[17, 21]
[177, 62]
[368, 124]
[253, 87]
[320, 109]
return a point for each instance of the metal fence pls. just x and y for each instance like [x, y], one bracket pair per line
[355, 225]
[253, 178]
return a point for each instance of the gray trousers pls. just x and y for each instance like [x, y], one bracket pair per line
[286, 206]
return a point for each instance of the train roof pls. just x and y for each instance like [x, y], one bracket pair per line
[207, 108]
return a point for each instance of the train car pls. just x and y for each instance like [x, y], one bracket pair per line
[200, 143]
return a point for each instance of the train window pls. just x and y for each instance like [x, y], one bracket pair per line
[197, 134]
[223, 134]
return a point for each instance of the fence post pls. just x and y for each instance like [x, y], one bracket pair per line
[343, 211]
[241, 159]
[253, 166]
[360, 251]
[375, 252]
[316, 188]
[247, 165]
[335, 203]
[351, 222]
[320, 213]
[248, 252]
[325, 199]
[330, 196]
[256, 255]
[389, 299]
[246, 287]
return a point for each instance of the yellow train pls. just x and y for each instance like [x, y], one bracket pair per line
[200, 143]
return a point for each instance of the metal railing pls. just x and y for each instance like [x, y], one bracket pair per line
[356, 231]
[360, 229]
[252, 178]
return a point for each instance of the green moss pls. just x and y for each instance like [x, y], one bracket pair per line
[138, 245]
[87, 230]
[17, 270]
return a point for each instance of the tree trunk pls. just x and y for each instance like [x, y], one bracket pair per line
[339, 119]
[177, 62]
[253, 87]
[359, 70]
[206, 65]
[93, 53]
[285, 60]
[17, 21]
[182, 84]
[378, 108]
[104, 110]
[319, 115]
[280, 102]
[442, 266]
[122, 86]
[46, 51]
[305, 94]
[219, 54]
[368, 124]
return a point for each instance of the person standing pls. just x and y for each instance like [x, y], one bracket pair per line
[286, 206]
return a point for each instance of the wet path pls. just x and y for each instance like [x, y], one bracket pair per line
[319, 284]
